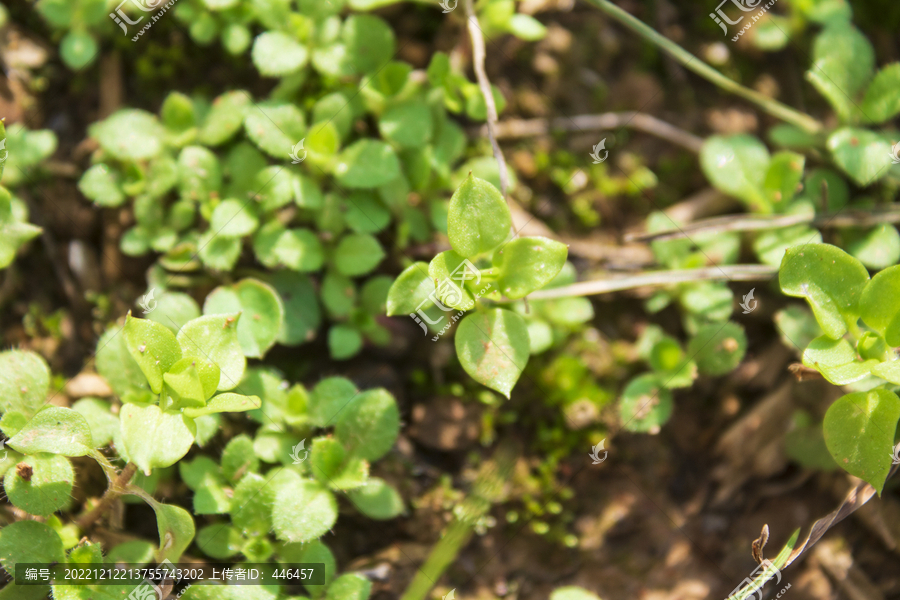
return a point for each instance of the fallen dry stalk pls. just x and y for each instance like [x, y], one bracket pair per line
[522, 128]
[654, 278]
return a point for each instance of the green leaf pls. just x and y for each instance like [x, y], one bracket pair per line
[129, 135]
[46, 490]
[55, 430]
[138, 552]
[771, 245]
[191, 381]
[102, 422]
[219, 541]
[251, 510]
[528, 264]
[225, 118]
[328, 400]
[878, 305]
[646, 405]
[154, 438]
[114, 363]
[377, 500]
[864, 155]
[300, 250]
[357, 254]
[153, 347]
[369, 424]
[367, 164]
[311, 552]
[718, 348]
[831, 280]
[573, 593]
[29, 542]
[369, 41]
[176, 531]
[493, 348]
[227, 402]
[783, 178]
[326, 458]
[303, 510]
[210, 497]
[24, 382]
[877, 248]
[199, 174]
[238, 458]
[859, 432]
[882, 101]
[479, 219]
[233, 218]
[102, 185]
[344, 341]
[173, 309]
[737, 166]
[449, 271]
[338, 295]
[408, 124]
[409, 290]
[365, 213]
[275, 127]
[261, 310]
[349, 586]
[78, 49]
[527, 27]
[277, 54]
[843, 62]
[217, 252]
[214, 337]
[836, 360]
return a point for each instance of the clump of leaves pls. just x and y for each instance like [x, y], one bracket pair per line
[484, 266]
[860, 427]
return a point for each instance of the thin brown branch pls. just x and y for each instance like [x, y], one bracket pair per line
[116, 489]
[479, 54]
[657, 278]
[743, 222]
[522, 128]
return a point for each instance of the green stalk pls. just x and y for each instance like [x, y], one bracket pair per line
[486, 490]
[442, 556]
[773, 107]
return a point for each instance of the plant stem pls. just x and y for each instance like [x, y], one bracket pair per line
[442, 555]
[771, 106]
[605, 286]
[115, 489]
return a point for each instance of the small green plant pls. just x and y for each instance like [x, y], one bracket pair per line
[492, 344]
[860, 427]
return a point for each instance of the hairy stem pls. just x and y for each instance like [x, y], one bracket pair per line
[116, 488]
[689, 61]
